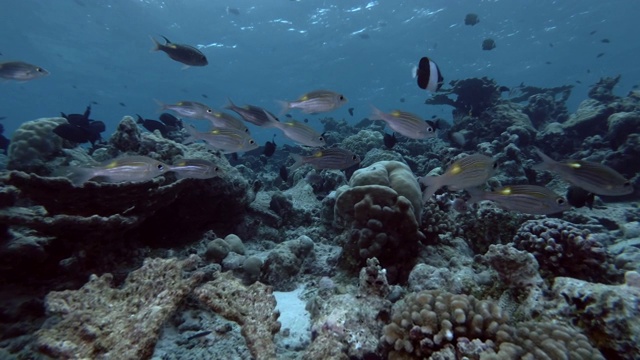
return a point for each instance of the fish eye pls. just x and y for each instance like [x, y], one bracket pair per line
[160, 167]
[209, 111]
[216, 169]
[251, 142]
[341, 97]
[321, 138]
[354, 157]
[626, 184]
[38, 69]
[430, 129]
[560, 201]
[495, 165]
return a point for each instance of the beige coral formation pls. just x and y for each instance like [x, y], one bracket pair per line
[99, 321]
[252, 307]
[33, 144]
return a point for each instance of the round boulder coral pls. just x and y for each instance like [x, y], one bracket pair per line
[34, 144]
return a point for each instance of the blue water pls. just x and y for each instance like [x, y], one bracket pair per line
[100, 51]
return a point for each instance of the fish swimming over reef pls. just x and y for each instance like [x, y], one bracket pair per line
[153, 125]
[171, 120]
[405, 123]
[186, 54]
[297, 131]
[79, 128]
[195, 169]
[224, 120]
[389, 140]
[226, 140]
[471, 19]
[21, 71]
[467, 172]
[253, 114]
[488, 44]
[127, 168]
[528, 199]
[332, 158]
[190, 109]
[270, 147]
[594, 177]
[579, 197]
[317, 101]
[428, 75]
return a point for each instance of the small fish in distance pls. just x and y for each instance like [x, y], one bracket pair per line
[195, 169]
[270, 147]
[127, 168]
[405, 123]
[351, 111]
[4, 142]
[527, 199]
[317, 101]
[186, 54]
[469, 171]
[233, 11]
[284, 173]
[591, 176]
[471, 19]
[190, 109]
[488, 44]
[428, 75]
[21, 71]
[332, 158]
[297, 131]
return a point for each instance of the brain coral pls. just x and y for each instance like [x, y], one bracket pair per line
[34, 144]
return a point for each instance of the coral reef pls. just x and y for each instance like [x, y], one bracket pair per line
[100, 321]
[609, 314]
[563, 249]
[252, 307]
[379, 208]
[285, 262]
[473, 96]
[33, 145]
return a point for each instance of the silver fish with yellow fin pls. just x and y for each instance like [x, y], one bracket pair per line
[594, 177]
[224, 120]
[195, 169]
[190, 109]
[297, 131]
[332, 158]
[317, 101]
[253, 114]
[21, 71]
[405, 123]
[226, 140]
[122, 169]
[528, 199]
[469, 171]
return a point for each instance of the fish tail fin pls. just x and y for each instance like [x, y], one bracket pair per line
[299, 161]
[432, 184]
[414, 71]
[77, 175]
[285, 106]
[162, 105]
[156, 44]
[230, 105]
[547, 162]
[376, 114]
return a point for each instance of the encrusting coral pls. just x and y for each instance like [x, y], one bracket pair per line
[100, 321]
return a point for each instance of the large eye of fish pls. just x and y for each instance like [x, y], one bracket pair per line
[209, 111]
[216, 169]
[627, 184]
[38, 69]
[321, 138]
[251, 142]
[354, 157]
[160, 167]
[430, 129]
[560, 201]
[495, 165]
[341, 97]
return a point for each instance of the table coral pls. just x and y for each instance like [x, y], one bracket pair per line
[102, 322]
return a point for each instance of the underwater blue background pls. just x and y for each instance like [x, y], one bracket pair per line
[100, 51]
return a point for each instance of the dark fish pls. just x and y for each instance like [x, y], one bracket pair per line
[428, 75]
[364, 36]
[284, 173]
[600, 55]
[171, 120]
[80, 128]
[579, 197]
[94, 102]
[306, 120]
[233, 11]
[402, 100]
[606, 41]
[122, 104]
[153, 125]
[390, 140]
[550, 44]
[2, 117]
[4, 142]
[548, 62]
[205, 96]
[579, 82]
[21, 71]
[504, 89]
[289, 116]
[593, 32]
[471, 19]
[488, 44]
[270, 147]
[588, 71]
[185, 54]
[351, 111]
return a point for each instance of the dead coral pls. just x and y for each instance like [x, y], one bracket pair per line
[252, 307]
[102, 322]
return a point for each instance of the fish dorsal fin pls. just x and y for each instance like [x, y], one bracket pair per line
[167, 40]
